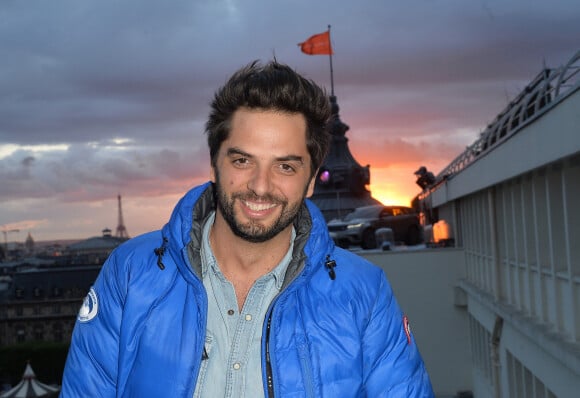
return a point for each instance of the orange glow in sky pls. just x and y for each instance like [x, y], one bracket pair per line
[394, 185]
[387, 197]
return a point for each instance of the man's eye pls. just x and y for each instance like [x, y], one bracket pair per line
[240, 161]
[287, 168]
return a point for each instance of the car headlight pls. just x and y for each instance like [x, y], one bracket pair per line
[354, 226]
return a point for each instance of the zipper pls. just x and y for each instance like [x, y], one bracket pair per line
[269, 373]
[269, 376]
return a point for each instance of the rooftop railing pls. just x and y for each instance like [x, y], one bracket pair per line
[548, 88]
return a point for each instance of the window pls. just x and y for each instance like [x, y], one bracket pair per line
[20, 334]
[523, 383]
[38, 333]
[57, 332]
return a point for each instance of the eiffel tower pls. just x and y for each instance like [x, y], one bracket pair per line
[121, 230]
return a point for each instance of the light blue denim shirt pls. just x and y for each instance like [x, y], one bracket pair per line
[232, 366]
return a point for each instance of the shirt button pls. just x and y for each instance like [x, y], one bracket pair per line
[230, 312]
[237, 366]
[248, 317]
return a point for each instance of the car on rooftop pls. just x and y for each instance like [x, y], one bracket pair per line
[359, 226]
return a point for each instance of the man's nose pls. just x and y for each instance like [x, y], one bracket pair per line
[260, 181]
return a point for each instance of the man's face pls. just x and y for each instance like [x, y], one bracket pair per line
[262, 173]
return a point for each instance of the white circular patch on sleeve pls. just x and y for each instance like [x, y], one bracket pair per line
[90, 307]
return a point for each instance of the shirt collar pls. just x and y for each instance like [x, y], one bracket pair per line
[208, 260]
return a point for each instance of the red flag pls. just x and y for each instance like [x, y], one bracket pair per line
[317, 45]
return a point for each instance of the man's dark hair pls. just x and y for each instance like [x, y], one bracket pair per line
[277, 87]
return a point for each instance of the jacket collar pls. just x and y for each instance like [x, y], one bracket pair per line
[184, 234]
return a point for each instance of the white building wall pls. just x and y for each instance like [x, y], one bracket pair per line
[529, 363]
[515, 212]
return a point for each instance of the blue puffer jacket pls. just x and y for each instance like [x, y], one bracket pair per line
[335, 329]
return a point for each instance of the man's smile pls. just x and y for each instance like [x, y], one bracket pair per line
[259, 206]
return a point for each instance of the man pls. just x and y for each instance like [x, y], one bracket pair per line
[243, 293]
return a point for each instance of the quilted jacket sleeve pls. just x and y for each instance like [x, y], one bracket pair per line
[91, 366]
[393, 365]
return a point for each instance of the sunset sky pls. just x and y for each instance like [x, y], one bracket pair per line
[102, 97]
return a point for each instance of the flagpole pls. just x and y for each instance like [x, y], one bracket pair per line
[331, 72]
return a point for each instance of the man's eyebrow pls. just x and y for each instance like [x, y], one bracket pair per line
[288, 158]
[237, 151]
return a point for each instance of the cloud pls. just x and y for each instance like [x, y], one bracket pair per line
[95, 172]
[102, 97]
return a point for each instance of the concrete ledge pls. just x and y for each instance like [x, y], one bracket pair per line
[566, 352]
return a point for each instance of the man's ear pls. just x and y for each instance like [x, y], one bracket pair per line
[212, 173]
[311, 185]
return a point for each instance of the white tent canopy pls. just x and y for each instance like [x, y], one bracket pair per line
[30, 387]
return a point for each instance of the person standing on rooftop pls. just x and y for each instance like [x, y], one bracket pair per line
[243, 292]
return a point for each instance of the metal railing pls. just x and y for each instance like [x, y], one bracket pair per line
[548, 88]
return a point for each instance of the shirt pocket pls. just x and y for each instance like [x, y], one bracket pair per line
[199, 385]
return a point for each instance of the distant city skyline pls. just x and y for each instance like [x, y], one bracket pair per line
[100, 98]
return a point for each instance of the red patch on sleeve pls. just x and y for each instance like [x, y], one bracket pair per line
[407, 328]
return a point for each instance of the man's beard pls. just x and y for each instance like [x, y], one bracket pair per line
[252, 231]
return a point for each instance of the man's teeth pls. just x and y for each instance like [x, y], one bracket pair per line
[259, 206]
